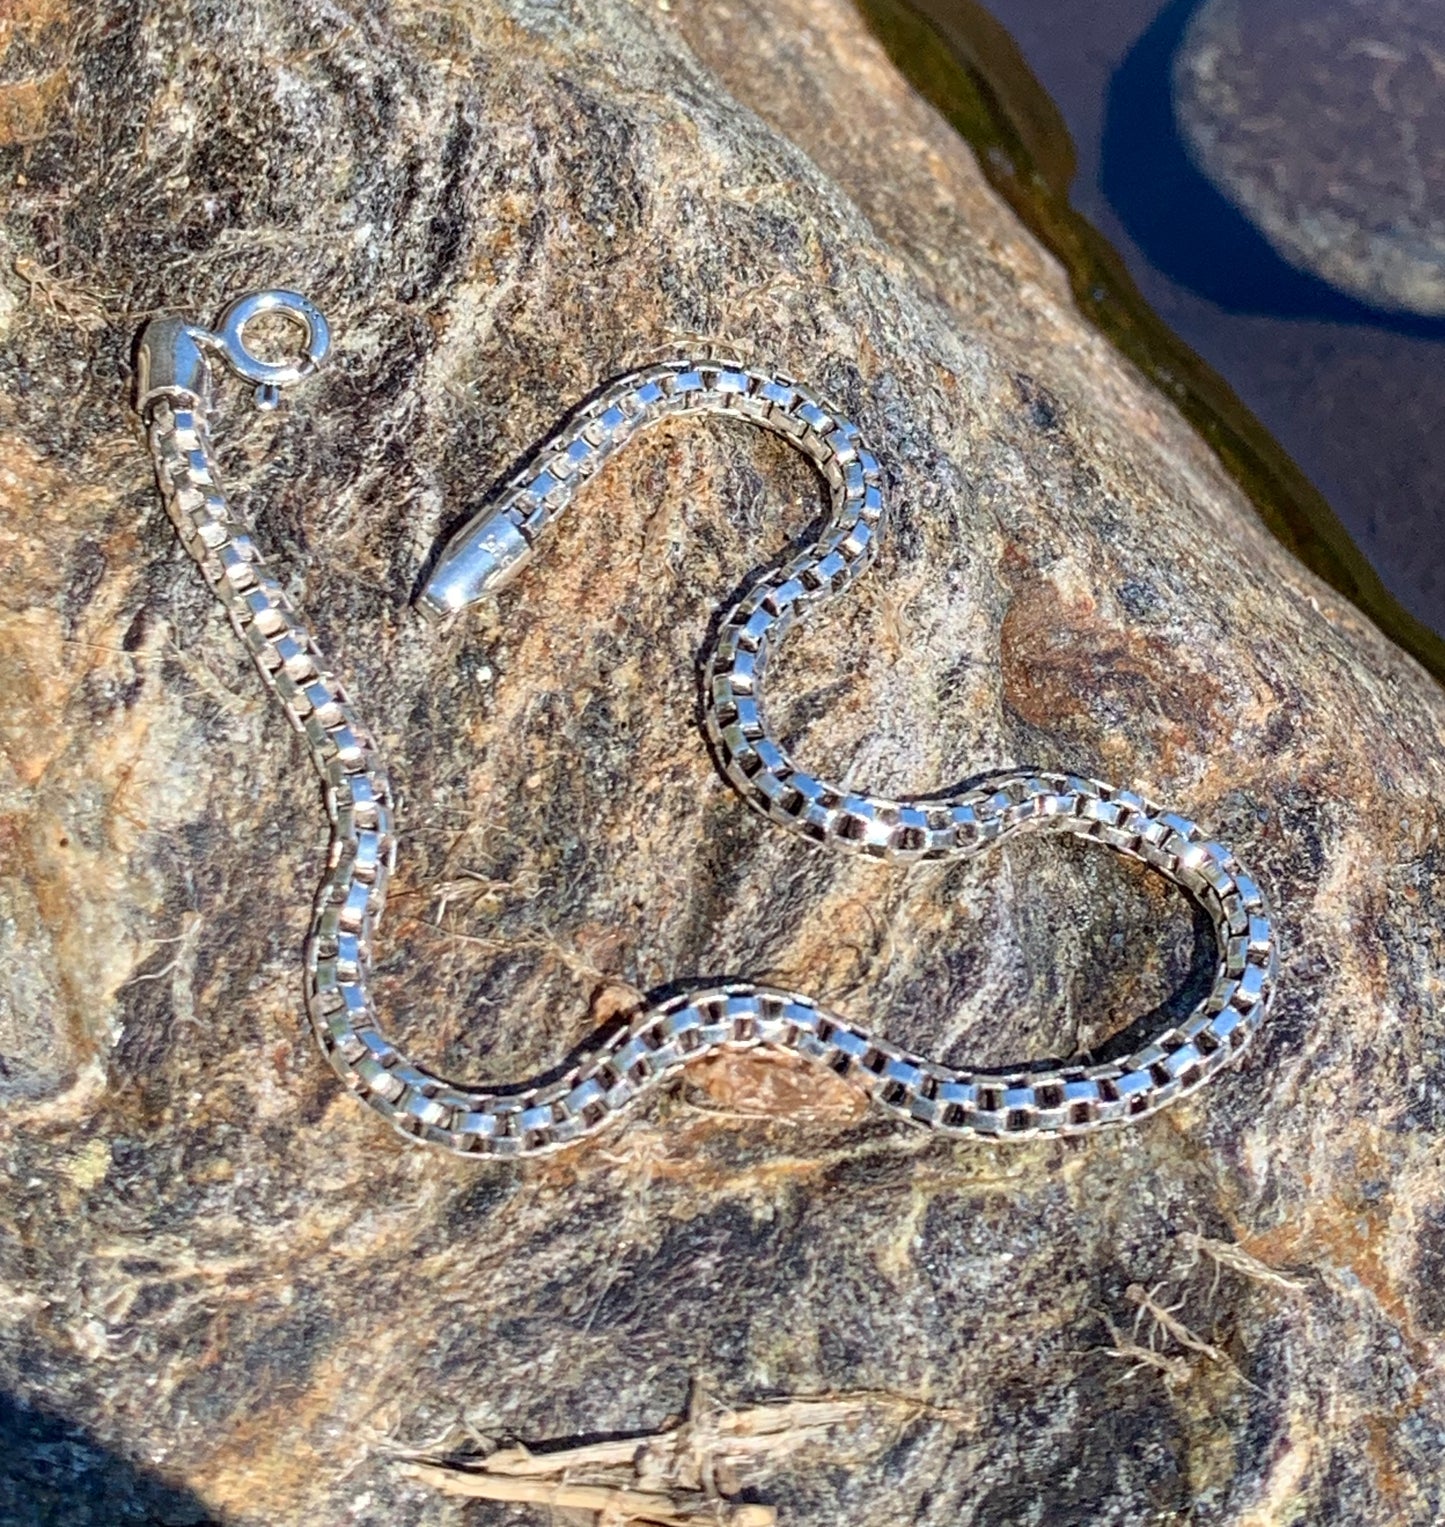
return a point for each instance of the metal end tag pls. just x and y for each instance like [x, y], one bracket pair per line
[483, 556]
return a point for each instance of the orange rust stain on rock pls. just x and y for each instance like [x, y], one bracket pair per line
[1382, 1443]
[613, 1002]
[248, 1460]
[840, 948]
[33, 728]
[22, 17]
[603, 946]
[759, 1084]
[28, 483]
[1063, 663]
[1339, 1233]
[25, 103]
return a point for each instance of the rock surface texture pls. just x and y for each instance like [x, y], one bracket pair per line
[1325, 123]
[230, 1294]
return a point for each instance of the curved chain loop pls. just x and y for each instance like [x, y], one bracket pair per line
[531, 1118]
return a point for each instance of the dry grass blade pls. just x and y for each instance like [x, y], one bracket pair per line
[1166, 1320]
[1175, 1369]
[682, 1476]
[615, 1504]
[1236, 1259]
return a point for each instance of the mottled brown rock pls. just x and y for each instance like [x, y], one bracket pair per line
[1325, 123]
[230, 1294]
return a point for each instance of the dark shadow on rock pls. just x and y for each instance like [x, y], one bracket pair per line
[1183, 225]
[53, 1473]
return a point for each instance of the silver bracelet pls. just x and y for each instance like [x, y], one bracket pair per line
[173, 396]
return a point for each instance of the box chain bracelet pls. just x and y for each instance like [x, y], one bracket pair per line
[173, 397]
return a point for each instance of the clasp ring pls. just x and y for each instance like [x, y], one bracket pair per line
[270, 376]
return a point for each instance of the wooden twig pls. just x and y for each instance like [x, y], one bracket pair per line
[1238, 1260]
[676, 1478]
[614, 1502]
[1165, 1319]
[1175, 1369]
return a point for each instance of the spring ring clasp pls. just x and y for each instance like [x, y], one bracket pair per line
[171, 357]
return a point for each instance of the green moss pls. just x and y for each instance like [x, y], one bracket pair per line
[969, 69]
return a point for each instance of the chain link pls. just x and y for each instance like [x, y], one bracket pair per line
[607, 1076]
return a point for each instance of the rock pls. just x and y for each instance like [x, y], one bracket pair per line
[1325, 124]
[230, 1294]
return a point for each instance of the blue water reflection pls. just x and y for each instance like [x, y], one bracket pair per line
[1187, 229]
[1352, 392]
